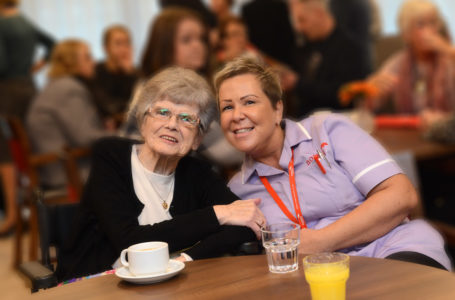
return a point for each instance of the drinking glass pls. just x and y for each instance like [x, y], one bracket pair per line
[327, 273]
[281, 241]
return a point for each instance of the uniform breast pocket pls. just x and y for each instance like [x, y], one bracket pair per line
[319, 186]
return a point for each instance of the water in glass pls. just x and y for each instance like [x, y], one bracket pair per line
[282, 255]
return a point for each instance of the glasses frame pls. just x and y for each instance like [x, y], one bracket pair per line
[153, 113]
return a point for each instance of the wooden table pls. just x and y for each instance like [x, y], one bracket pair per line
[247, 277]
[398, 140]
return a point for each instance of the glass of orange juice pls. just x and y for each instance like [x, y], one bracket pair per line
[327, 273]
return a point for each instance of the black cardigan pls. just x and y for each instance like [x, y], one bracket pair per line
[107, 220]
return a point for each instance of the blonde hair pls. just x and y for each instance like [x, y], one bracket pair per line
[268, 79]
[412, 9]
[64, 58]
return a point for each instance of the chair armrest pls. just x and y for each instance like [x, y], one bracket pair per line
[40, 276]
[72, 170]
[38, 160]
[76, 153]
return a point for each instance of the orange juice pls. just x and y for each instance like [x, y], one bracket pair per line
[327, 273]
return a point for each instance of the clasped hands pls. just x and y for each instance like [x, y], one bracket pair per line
[247, 213]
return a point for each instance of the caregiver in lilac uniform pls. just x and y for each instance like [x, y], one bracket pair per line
[323, 173]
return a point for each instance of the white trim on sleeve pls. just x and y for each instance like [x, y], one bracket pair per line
[368, 169]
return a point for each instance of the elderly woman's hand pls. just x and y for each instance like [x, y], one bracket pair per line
[432, 41]
[384, 82]
[242, 213]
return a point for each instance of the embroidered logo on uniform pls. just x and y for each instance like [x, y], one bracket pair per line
[309, 160]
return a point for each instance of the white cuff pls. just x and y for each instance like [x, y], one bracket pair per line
[186, 256]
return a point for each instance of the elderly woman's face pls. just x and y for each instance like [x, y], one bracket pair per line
[171, 129]
[420, 28]
[248, 118]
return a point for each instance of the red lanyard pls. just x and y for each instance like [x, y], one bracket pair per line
[299, 220]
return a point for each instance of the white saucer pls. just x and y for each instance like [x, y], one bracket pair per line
[173, 269]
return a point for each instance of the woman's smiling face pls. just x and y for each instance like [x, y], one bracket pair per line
[248, 119]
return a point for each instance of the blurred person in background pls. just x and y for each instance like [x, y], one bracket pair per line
[419, 79]
[64, 113]
[204, 13]
[234, 40]
[178, 37]
[221, 9]
[270, 29]
[19, 39]
[116, 75]
[328, 58]
[356, 17]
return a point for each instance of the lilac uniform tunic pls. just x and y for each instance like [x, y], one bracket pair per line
[358, 164]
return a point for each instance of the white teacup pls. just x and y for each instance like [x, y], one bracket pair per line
[146, 258]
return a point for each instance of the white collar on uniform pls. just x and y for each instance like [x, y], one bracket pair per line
[295, 133]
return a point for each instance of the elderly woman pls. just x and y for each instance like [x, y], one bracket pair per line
[323, 173]
[420, 79]
[154, 191]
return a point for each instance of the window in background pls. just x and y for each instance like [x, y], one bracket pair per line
[87, 19]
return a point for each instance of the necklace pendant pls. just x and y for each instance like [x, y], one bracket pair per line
[164, 205]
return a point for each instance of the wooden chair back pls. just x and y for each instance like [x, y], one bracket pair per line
[28, 164]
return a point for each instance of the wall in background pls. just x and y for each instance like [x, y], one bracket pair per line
[86, 19]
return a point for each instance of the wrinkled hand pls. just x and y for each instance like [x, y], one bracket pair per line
[242, 213]
[432, 41]
[384, 82]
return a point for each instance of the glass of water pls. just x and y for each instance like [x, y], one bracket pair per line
[280, 241]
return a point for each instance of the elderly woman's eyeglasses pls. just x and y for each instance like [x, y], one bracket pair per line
[185, 119]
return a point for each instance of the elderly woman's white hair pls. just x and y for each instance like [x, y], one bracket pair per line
[413, 9]
[178, 85]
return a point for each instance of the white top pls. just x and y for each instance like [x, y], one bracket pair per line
[152, 189]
